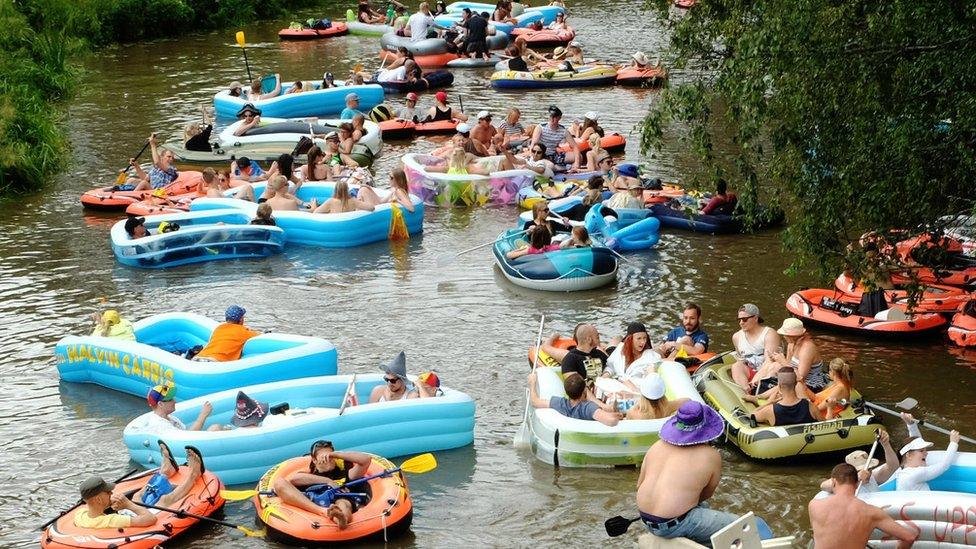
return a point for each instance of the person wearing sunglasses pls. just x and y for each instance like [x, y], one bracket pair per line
[552, 134]
[541, 218]
[753, 343]
[394, 386]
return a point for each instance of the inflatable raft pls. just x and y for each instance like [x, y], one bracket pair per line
[444, 189]
[202, 236]
[398, 129]
[110, 200]
[204, 499]
[239, 456]
[305, 33]
[457, 7]
[633, 76]
[440, 127]
[134, 367]
[834, 310]
[935, 298]
[611, 142]
[568, 270]
[263, 153]
[962, 330]
[283, 130]
[431, 80]
[567, 442]
[432, 46]
[465, 62]
[343, 230]
[942, 517]
[545, 38]
[429, 61]
[311, 102]
[585, 76]
[853, 428]
[357, 27]
[387, 513]
[632, 230]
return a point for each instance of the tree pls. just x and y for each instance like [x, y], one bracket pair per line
[856, 115]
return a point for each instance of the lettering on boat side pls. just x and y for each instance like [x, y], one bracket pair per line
[131, 365]
[948, 524]
[823, 426]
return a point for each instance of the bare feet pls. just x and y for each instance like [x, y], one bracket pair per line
[335, 513]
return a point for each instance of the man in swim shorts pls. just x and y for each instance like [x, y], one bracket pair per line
[327, 469]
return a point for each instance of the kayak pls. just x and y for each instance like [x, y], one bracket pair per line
[305, 33]
[291, 131]
[832, 309]
[426, 61]
[445, 189]
[314, 101]
[935, 298]
[565, 270]
[633, 76]
[853, 428]
[398, 129]
[387, 512]
[567, 442]
[962, 330]
[586, 76]
[430, 81]
[394, 428]
[156, 357]
[545, 38]
[204, 499]
[202, 236]
[611, 142]
[110, 200]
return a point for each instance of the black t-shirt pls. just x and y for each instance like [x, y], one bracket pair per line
[259, 221]
[477, 29]
[517, 64]
[201, 141]
[589, 365]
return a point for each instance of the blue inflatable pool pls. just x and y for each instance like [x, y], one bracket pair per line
[202, 236]
[328, 230]
[546, 14]
[567, 270]
[311, 102]
[242, 455]
[633, 229]
[135, 366]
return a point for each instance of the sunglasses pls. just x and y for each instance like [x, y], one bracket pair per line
[606, 161]
[321, 444]
[745, 318]
[537, 151]
[390, 380]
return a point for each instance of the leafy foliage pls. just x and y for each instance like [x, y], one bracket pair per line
[856, 116]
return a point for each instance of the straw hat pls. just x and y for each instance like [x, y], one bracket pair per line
[792, 327]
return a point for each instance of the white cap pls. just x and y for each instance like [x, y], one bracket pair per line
[652, 386]
[592, 115]
[484, 114]
[463, 128]
[916, 444]
[575, 44]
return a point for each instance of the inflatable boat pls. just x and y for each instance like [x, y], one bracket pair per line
[307, 33]
[283, 130]
[428, 61]
[134, 367]
[395, 428]
[311, 102]
[431, 81]
[631, 230]
[545, 38]
[585, 76]
[935, 298]
[111, 199]
[568, 442]
[650, 77]
[357, 27]
[263, 153]
[457, 7]
[611, 142]
[833, 310]
[201, 236]
[432, 46]
[465, 62]
[962, 330]
[566, 270]
[444, 189]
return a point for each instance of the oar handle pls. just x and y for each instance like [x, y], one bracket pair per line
[921, 422]
[486, 244]
[867, 464]
[182, 513]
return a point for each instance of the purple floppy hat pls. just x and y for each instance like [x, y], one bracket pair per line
[694, 423]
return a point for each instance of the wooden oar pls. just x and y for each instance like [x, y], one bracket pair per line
[80, 501]
[181, 513]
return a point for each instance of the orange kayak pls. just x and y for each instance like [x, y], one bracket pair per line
[337, 29]
[106, 199]
[833, 309]
[441, 126]
[545, 38]
[935, 298]
[633, 76]
[387, 513]
[398, 129]
[204, 499]
[611, 142]
[434, 61]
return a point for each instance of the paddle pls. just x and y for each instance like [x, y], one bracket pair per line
[81, 501]
[618, 525]
[121, 178]
[181, 513]
[522, 435]
[240, 42]
[877, 437]
[908, 404]
[416, 465]
[351, 388]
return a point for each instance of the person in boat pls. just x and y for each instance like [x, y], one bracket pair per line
[135, 227]
[352, 106]
[421, 25]
[753, 344]
[651, 402]
[633, 358]
[162, 172]
[828, 401]
[580, 239]
[869, 475]
[530, 56]
[255, 93]
[591, 159]
[462, 140]
[679, 473]
[280, 199]
[316, 169]
[574, 54]
[549, 347]
[476, 38]
[558, 3]
[366, 14]
[408, 112]
[791, 408]
[248, 170]
[327, 469]
[548, 62]
[396, 383]
[263, 216]
[802, 354]
[228, 339]
[484, 132]
[640, 61]
[162, 402]
[589, 126]
[586, 359]
[575, 404]
[540, 242]
[688, 336]
[347, 136]
[516, 62]
[502, 13]
[843, 520]
[559, 24]
[296, 87]
[342, 202]
[334, 157]
[540, 218]
[97, 495]
[512, 128]
[440, 8]
[631, 196]
[196, 137]
[723, 202]
[236, 89]
[399, 192]
[442, 112]
[538, 163]
[110, 324]
[915, 472]
[552, 134]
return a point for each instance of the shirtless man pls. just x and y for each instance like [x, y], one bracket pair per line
[679, 473]
[325, 469]
[395, 386]
[281, 199]
[483, 132]
[842, 521]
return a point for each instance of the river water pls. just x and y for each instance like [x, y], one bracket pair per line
[461, 318]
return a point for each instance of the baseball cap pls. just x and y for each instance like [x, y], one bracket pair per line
[628, 170]
[235, 313]
[484, 114]
[161, 393]
[916, 444]
[411, 96]
[463, 128]
[352, 96]
[132, 223]
[751, 310]
[235, 84]
[332, 135]
[636, 328]
[592, 115]
[652, 386]
[441, 96]
[94, 486]
[575, 44]
[430, 378]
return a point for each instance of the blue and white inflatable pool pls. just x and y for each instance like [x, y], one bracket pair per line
[311, 102]
[242, 455]
[135, 366]
[634, 229]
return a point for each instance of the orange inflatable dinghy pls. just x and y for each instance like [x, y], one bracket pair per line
[833, 309]
[398, 129]
[666, 194]
[545, 38]
[109, 200]
[438, 127]
[611, 142]
[204, 499]
[962, 329]
[633, 76]
[156, 205]
[387, 513]
[337, 29]
[434, 61]
[935, 298]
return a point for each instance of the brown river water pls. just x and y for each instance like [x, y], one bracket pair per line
[462, 318]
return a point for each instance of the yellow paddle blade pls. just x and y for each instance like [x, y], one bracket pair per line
[252, 533]
[121, 178]
[238, 495]
[682, 353]
[240, 38]
[358, 68]
[420, 464]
